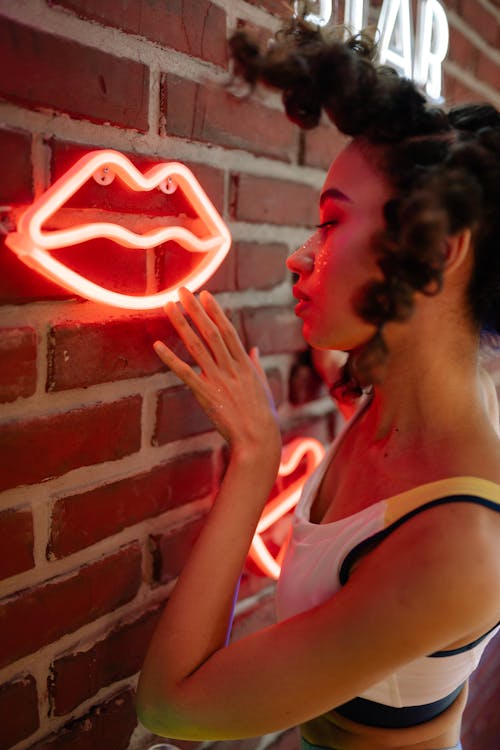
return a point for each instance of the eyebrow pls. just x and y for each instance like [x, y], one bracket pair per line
[334, 193]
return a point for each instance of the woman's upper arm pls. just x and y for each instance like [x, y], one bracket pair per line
[419, 590]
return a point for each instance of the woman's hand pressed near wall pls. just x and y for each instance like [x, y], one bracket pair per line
[232, 387]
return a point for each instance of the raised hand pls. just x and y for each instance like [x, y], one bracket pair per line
[232, 387]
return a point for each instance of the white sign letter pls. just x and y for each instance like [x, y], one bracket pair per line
[431, 46]
[354, 15]
[395, 20]
[321, 18]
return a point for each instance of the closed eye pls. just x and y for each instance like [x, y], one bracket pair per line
[326, 224]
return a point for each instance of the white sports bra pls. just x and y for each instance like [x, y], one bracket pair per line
[317, 564]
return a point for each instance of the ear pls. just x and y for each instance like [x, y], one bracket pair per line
[458, 248]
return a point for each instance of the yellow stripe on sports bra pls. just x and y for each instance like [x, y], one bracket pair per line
[404, 502]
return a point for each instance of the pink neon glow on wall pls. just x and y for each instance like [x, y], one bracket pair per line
[32, 243]
[292, 454]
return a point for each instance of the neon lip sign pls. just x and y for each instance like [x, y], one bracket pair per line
[31, 243]
[292, 454]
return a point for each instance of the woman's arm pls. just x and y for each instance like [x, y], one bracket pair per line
[233, 390]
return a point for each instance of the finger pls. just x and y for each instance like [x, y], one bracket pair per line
[255, 357]
[178, 366]
[226, 328]
[191, 340]
[207, 328]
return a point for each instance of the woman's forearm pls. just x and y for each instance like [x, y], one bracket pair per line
[232, 389]
[195, 621]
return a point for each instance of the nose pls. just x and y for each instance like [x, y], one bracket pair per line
[302, 260]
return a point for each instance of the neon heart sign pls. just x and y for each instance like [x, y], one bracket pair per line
[32, 243]
[291, 456]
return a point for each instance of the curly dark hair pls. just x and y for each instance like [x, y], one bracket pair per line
[444, 168]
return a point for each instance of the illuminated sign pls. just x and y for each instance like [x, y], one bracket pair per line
[212, 239]
[424, 63]
[322, 17]
[394, 24]
[431, 46]
[292, 455]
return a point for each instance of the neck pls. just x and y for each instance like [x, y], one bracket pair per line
[431, 384]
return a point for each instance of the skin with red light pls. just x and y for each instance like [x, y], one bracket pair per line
[334, 262]
[428, 420]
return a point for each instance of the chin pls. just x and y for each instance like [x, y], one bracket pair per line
[343, 342]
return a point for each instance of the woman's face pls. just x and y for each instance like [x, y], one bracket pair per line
[337, 260]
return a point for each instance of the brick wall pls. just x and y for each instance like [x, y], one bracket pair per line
[108, 466]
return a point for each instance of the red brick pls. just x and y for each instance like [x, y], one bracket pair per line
[196, 27]
[260, 266]
[224, 279]
[462, 51]
[16, 185]
[480, 20]
[76, 677]
[65, 76]
[448, 89]
[43, 447]
[273, 330]
[178, 415]
[464, 95]
[41, 615]
[276, 7]
[170, 551]
[488, 71]
[81, 520]
[261, 199]
[18, 357]
[212, 115]
[322, 145]
[102, 261]
[20, 284]
[16, 541]
[107, 264]
[108, 725]
[18, 710]
[85, 353]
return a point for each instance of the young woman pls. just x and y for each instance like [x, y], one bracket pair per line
[390, 589]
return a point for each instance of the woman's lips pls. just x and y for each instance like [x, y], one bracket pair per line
[303, 300]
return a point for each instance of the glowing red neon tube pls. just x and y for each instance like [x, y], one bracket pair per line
[292, 454]
[31, 242]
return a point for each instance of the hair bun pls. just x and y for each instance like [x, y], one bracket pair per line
[474, 117]
[302, 106]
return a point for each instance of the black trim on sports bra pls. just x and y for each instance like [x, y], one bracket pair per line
[379, 715]
[453, 651]
[373, 540]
